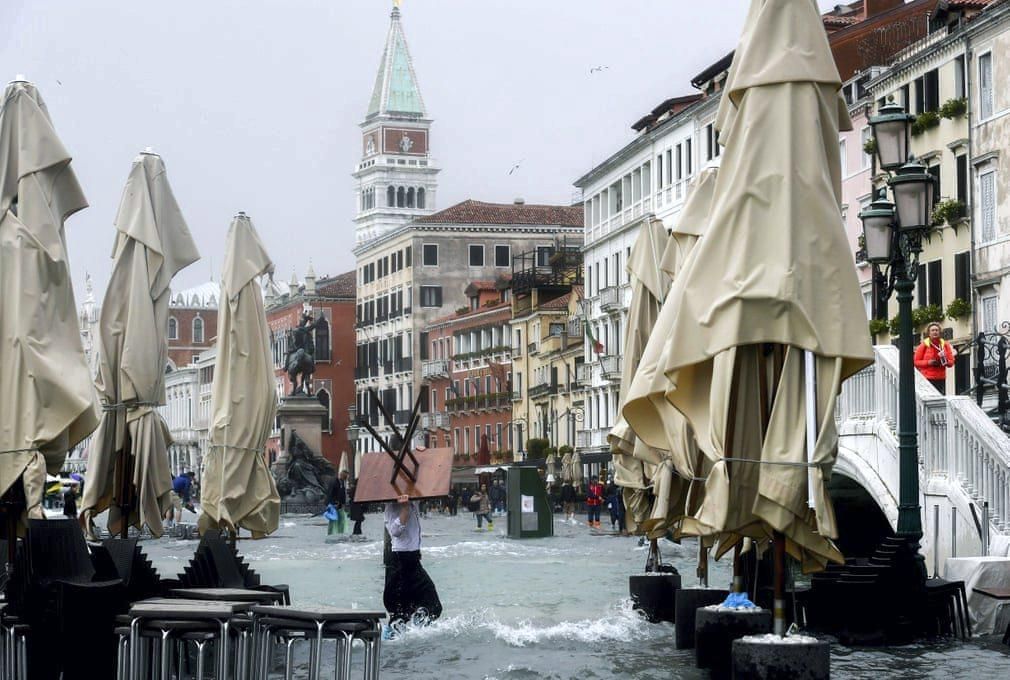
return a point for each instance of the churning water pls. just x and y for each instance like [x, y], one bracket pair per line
[553, 608]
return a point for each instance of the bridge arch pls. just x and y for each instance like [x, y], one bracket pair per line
[865, 509]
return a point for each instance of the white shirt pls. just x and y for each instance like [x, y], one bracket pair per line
[406, 537]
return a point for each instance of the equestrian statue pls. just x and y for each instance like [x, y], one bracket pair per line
[301, 356]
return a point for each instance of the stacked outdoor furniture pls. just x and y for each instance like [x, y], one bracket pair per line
[868, 600]
[70, 611]
[217, 564]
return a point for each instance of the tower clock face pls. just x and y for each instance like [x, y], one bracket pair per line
[405, 143]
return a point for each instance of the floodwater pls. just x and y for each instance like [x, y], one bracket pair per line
[554, 608]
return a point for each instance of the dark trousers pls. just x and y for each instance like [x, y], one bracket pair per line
[409, 589]
[357, 528]
[483, 516]
[594, 513]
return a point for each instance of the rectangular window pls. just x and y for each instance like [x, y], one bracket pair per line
[934, 170]
[959, 89]
[935, 269]
[659, 171]
[921, 287]
[669, 167]
[841, 157]
[931, 82]
[502, 256]
[989, 320]
[410, 260]
[709, 142]
[544, 254]
[987, 205]
[920, 96]
[680, 163]
[906, 97]
[429, 256]
[476, 255]
[985, 94]
[865, 158]
[431, 296]
[688, 157]
[962, 276]
[962, 180]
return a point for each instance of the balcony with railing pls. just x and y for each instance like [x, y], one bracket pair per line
[480, 402]
[583, 375]
[532, 349]
[435, 421]
[611, 367]
[435, 368]
[610, 299]
[543, 390]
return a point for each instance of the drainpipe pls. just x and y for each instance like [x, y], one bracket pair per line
[970, 208]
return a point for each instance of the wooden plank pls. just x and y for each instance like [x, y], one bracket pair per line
[433, 473]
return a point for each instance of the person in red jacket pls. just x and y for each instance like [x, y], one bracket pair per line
[933, 357]
[594, 499]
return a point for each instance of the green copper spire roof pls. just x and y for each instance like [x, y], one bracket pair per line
[396, 90]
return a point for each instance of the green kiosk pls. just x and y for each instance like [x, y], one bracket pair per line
[529, 510]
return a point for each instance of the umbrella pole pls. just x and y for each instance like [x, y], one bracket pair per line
[124, 485]
[702, 562]
[779, 562]
[737, 569]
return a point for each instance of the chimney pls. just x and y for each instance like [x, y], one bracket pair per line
[872, 8]
[519, 201]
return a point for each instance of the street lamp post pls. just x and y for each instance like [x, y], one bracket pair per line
[353, 432]
[518, 423]
[893, 235]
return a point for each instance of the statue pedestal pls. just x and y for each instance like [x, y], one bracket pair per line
[302, 415]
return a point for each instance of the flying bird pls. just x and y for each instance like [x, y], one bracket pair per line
[598, 69]
[516, 166]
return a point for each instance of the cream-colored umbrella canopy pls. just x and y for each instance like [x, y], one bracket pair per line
[49, 403]
[237, 487]
[664, 439]
[771, 278]
[152, 244]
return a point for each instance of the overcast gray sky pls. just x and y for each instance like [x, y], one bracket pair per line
[254, 104]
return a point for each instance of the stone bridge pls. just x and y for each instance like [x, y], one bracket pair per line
[964, 467]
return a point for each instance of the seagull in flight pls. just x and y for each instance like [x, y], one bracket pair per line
[516, 166]
[598, 69]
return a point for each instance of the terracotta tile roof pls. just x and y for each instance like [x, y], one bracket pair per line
[341, 286]
[967, 4]
[833, 21]
[479, 213]
[481, 285]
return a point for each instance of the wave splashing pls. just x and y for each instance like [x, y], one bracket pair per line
[620, 623]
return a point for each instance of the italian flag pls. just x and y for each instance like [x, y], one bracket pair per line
[596, 344]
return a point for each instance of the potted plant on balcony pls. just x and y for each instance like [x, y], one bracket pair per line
[954, 108]
[958, 309]
[878, 326]
[924, 121]
[949, 211]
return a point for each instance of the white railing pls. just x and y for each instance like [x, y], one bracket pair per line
[436, 368]
[956, 438]
[610, 298]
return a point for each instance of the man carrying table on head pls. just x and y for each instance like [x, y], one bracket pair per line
[409, 591]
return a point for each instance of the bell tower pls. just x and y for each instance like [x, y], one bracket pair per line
[395, 181]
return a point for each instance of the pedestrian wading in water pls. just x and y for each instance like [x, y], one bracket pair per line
[409, 594]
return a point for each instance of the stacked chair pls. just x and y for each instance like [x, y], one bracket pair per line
[217, 564]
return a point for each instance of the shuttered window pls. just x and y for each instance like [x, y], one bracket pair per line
[962, 276]
[985, 95]
[987, 204]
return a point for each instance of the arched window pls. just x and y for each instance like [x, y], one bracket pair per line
[324, 398]
[173, 328]
[322, 340]
[197, 329]
[410, 197]
[390, 197]
[420, 198]
[401, 197]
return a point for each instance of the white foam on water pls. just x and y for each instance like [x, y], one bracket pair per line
[619, 623]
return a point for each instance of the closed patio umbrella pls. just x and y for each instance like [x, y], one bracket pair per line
[49, 403]
[661, 428]
[238, 489]
[770, 280]
[128, 466]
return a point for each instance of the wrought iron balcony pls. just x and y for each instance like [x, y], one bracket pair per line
[611, 365]
[435, 421]
[583, 375]
[543, 390]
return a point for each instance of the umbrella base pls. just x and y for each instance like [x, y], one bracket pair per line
[768, 657]
[655, 595]
[717, 628]
[687, 602]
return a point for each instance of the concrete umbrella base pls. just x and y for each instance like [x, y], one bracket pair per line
[770, 657]
[655, 595]
[688, 601]
[717, 628]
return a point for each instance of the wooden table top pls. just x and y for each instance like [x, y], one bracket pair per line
[225, 594]
[319, 613]
[997, 593]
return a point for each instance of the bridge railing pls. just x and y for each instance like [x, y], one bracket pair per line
[956, 439]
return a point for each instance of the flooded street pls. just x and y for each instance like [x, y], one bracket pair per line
[550, 608]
